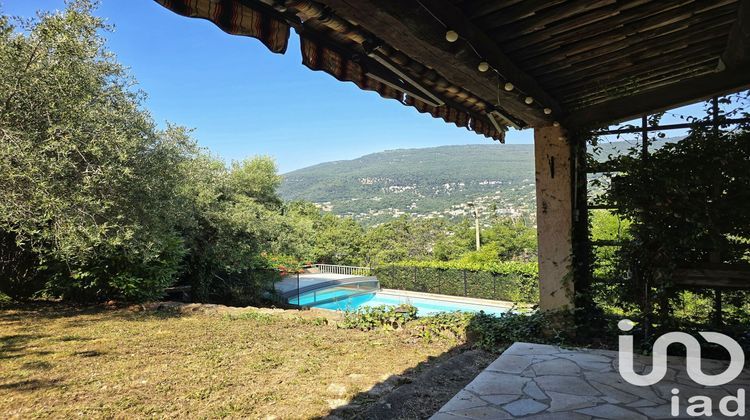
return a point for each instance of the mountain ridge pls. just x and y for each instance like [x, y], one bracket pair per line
[422, 182]
[428, 182]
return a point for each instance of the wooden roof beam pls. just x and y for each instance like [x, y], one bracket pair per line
[408, 27]
[737, 52]
[660, 99]
[491, 52]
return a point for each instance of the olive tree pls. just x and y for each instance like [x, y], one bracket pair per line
[88, 207]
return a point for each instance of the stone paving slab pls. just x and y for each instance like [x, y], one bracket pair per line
[537, 381]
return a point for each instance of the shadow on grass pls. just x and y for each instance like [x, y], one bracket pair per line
[14, 346]
[37, 365]
[70, 338]
[89, 353]
[420, 391]
[82, 314]
[31, 384]
[23, 311]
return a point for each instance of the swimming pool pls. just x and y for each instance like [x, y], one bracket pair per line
[425, 304]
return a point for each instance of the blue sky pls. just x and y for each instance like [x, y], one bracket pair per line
[243, 100]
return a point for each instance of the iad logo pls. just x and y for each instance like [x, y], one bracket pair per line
[700, 405]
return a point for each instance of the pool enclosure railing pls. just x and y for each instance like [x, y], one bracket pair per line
[333, 291]
[328, 282]
[343, 269]
[324, 283]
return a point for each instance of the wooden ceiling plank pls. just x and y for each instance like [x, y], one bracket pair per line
[589, 40]
[580, 88]
[660, 99]
[550, 34]
[588, 48]
[611, 76]
[555, 15]
[515, 13]
[737, 52]
[599, 27]
[578, 91]
[684, 32]
[656, 83]
[632, 56]
[484, 7]
[610, 42]
[706, 64]
[664, 81]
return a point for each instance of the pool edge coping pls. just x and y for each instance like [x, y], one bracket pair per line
[450, 298]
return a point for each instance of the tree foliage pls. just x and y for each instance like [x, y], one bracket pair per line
[100, 203]
[688, 204]
[232, 218]
[87, 178]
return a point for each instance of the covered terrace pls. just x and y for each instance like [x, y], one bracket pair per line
[560, 67]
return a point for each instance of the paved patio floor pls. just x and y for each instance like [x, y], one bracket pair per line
[535, 381]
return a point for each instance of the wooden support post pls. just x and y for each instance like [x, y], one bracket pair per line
[554, 205]
[582, 244]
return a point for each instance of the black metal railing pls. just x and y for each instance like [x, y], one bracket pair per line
[515, 287]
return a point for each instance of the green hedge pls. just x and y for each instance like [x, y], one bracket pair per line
[513, 281]
[383, 316]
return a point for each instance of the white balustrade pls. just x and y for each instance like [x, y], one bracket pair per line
[343, 269]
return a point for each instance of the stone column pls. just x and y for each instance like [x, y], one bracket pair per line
[554, 210]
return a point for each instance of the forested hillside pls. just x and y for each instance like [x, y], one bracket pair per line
[432, 181]
[436, 181]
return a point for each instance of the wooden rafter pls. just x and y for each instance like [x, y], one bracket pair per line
[542, 43]
[659, 78]
[642, 30]
[658, 40]
[610, 76]
[654, 100]
[407, 26]
[454, 19]
[483, 7]
[550, 15]
[668, 83]
[512, 14]
[515, 41]
[737, 52]
[589, 62]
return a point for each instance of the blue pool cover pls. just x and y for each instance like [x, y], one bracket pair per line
[347, 293]
[425, 306]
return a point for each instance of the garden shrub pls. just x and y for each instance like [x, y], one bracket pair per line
[258, 317]
[446, 325]
[384, 316]
[490, 332]
[88, 180]
[485, 331]
[21, 273]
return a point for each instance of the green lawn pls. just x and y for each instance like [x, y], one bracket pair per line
[58, 362]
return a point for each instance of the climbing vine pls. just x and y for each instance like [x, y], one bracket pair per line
[687, 204]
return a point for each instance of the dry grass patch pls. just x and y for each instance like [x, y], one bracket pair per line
[62, 362]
